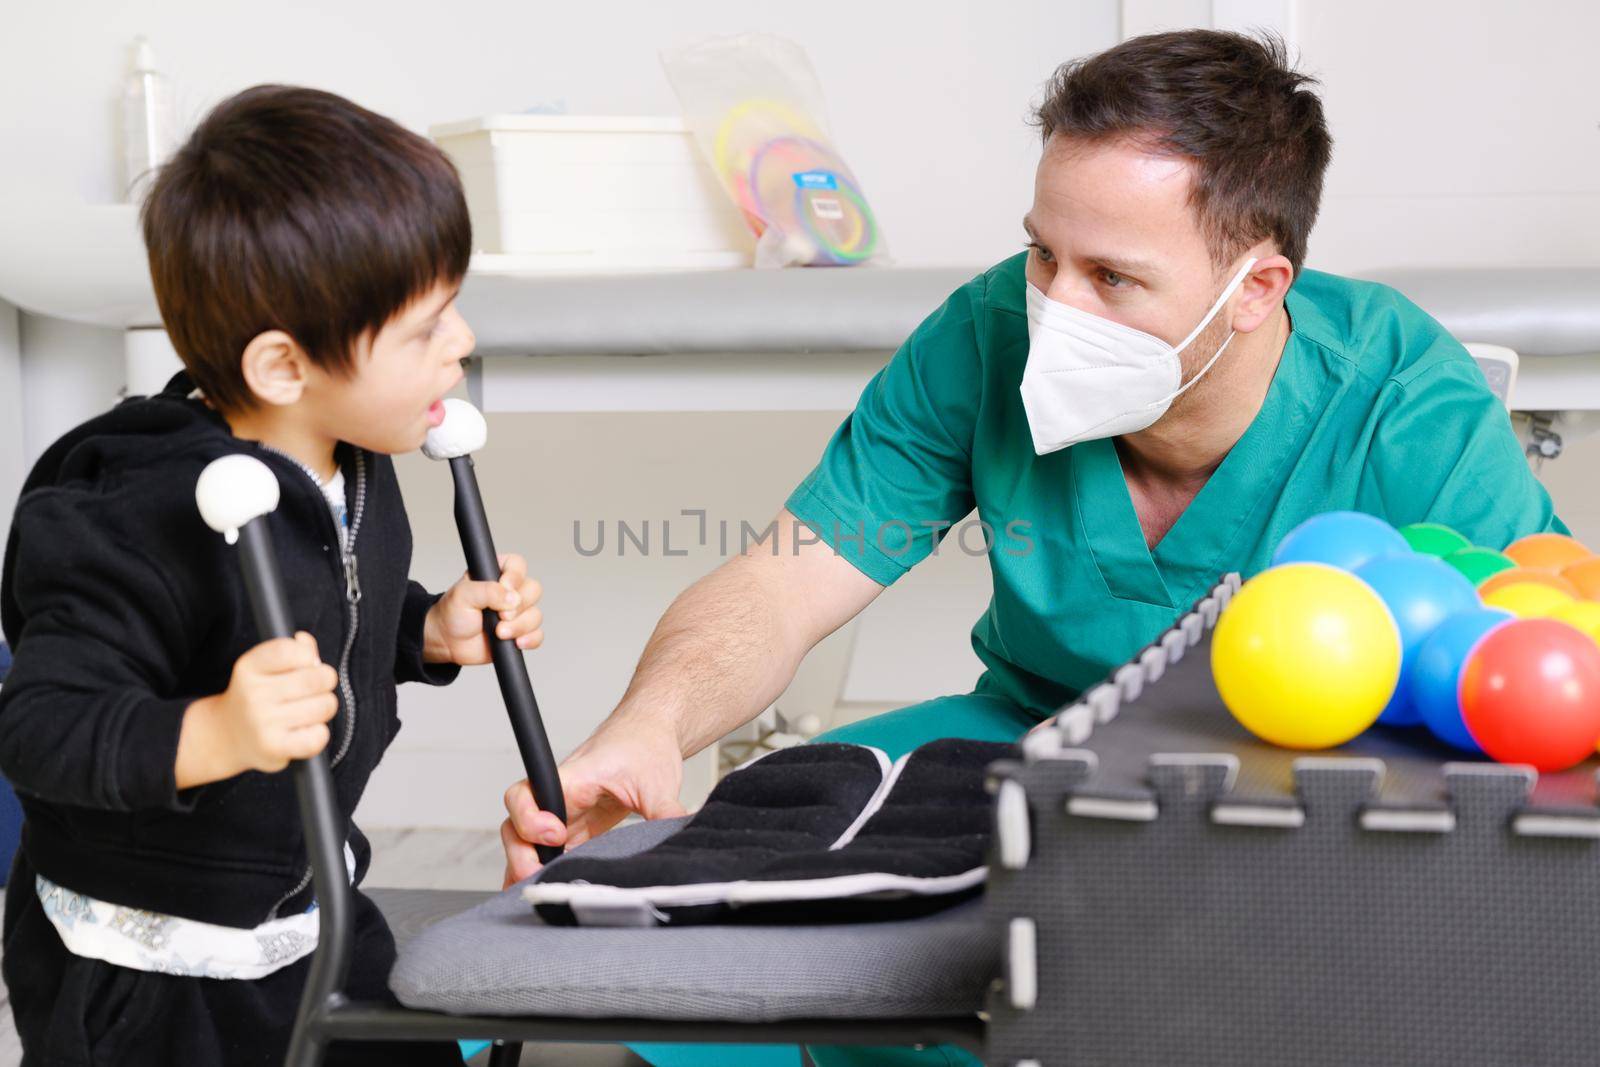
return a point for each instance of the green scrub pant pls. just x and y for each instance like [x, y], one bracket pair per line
[979, 716]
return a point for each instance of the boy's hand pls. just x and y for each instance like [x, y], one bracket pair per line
[276, 709]
[453, 632]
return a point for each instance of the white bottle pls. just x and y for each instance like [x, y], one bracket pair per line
[149, 123]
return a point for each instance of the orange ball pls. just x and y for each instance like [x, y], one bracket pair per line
[1546, 551]
[1585, 574]
[1519, 575]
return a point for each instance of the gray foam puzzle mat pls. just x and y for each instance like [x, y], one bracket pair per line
[1171, 890]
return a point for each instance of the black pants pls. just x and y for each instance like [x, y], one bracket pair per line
[87, 1013]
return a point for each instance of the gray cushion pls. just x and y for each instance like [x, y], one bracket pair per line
[411, 911]
[1537, 312]
[500, 959]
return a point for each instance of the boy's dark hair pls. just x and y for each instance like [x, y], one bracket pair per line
[1229, 102]
[296, 210]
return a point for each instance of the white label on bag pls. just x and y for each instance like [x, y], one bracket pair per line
[827, 207]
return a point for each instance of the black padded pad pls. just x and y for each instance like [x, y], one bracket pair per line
[800, 821]
[935, 821]
[794, 801]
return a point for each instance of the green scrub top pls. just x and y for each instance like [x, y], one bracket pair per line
[1374, 408]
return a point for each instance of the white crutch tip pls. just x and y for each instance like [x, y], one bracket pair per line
[233, 490]
[462, 432]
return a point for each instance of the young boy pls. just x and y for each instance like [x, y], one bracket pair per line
[306, 254]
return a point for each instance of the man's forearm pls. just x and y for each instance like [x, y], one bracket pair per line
[724, 651]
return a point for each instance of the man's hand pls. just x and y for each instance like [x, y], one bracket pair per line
[453, 632]
[624, 767]
[276, 709]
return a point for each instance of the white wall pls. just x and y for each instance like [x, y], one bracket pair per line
[1466, 132]
[12, 455]
[63, 373]
[69, 372]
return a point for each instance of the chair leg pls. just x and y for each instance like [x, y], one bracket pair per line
[505, 1054]
[305, 1049]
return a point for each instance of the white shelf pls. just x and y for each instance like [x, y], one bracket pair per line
[75, 261]
[86, 263]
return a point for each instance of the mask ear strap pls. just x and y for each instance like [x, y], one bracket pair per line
[1209, 364]
[1232, 286]
[1226, 293]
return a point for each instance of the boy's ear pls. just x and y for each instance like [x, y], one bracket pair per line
[274, 368]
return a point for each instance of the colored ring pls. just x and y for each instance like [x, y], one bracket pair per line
[796, 121]
[864, 215]
[745, 187]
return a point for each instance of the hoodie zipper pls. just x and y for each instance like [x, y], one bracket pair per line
[352, 596]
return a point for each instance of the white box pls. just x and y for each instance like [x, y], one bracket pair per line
[600, 193]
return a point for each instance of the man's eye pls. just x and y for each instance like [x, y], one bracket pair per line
[1112, 279]
[1043, 253]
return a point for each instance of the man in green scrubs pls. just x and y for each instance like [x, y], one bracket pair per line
[1178, 184]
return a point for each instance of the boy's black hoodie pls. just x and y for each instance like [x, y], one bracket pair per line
[122, 607]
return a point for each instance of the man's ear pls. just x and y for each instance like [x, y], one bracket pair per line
[274, 367]
[1262, 292]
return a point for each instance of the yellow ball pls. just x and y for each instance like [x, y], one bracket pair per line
[1306, 656]
[1581, 615]
[1529, 600]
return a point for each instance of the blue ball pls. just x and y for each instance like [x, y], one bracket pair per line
[1421, 592]
[1344, 539]
[1436, 676]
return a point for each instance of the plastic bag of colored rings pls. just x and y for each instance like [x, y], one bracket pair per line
[756, 109]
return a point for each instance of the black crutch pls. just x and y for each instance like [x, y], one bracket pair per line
[235, 494]
[462, 433]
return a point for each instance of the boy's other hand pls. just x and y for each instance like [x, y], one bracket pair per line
[276, 709]
[453, 632]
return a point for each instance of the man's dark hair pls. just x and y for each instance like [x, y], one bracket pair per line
[297, 210]
[1229, 102]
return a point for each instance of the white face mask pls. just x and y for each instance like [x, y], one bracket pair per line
[1088, 377]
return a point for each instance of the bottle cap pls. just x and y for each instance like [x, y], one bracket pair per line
[144, 57]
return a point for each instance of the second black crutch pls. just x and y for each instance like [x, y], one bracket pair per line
[462, 432]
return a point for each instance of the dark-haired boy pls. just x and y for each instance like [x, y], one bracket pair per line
[306, 254]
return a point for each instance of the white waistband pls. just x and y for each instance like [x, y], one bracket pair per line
[169, 944]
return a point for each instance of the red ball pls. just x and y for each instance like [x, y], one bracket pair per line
[1530, 693]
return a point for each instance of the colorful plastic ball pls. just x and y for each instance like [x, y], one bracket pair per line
[1581, 615]
[1478, 564]
[1526, 576]
[1530, 693]
[1421, 592]
[1344, 539]
[1306, 656]
[1432, 539]
[1528, 600]
[1585, 575]
[1435, 677]
[1546, 551]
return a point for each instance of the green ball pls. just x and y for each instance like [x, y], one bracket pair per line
[1479, 563]
[1431, 539]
